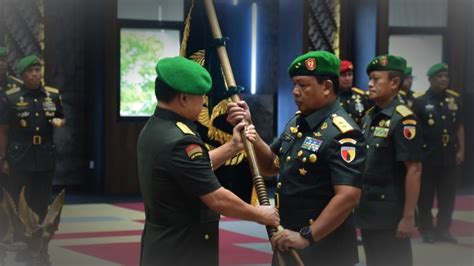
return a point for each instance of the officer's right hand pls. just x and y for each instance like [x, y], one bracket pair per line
[5, 167]
[269, 216]
[237, 112]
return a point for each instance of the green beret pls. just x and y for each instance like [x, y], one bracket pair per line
[408, 71]
[315, 63]
[387, 63]
[184, 75]
[434, 69]
[26, 62]
[3, 51]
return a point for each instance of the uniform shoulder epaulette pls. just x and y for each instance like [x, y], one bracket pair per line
[453, 93]
[15, 79]
[403, 111]
[403, 93]
[341, 124]
[12, 90]
[358, 91]
[417, 94]
[51, 89]
[185, 129]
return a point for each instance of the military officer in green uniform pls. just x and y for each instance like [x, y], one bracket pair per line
[406, 95]
[182, 196]
[29, 115]
[353, 100]
[386, 213]
[441, 117]
[319, 158]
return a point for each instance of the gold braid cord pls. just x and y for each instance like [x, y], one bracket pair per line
[187, 31]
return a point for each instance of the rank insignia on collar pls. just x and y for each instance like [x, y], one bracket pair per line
[193, 151]
[324, 126]
[317, 134]
[409, 132]
[348, 154]
[381, 132]
[311, 144]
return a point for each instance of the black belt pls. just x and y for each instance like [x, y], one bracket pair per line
[35, 139]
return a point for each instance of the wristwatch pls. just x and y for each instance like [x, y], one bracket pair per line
[308, 234]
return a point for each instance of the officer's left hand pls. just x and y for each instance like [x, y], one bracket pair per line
[236, 139]
[57, 122]
[287, 239]
[459, 157]
[405, 227]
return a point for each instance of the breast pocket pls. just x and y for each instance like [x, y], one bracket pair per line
[16, 152]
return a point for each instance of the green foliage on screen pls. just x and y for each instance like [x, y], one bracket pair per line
[139, 53]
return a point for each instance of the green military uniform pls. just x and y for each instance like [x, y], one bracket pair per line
[174, 170]
[440, 115]
[355, 102]
[393, 137]
[31, 151]
[316, 152]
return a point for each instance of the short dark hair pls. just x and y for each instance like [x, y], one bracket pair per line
[397, 74]
[163, 92]
[334, 79]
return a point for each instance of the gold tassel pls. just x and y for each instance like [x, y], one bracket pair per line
[254, 199]
[186, 32]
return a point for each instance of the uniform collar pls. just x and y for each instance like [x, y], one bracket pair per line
[315, 118]
[431, 92]
[35, 92]
[170, 115]
[390, 108]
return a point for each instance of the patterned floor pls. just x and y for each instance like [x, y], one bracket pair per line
[109, 234]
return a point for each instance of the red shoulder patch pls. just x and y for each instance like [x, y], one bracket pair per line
[193, 151]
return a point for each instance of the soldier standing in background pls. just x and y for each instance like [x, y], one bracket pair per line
[406, 95]
[27, 118]
[440, 114]
[353, 100]
[386, 213]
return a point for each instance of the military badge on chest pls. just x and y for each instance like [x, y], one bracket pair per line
[22, 111]
[311, 144]
[49, 107]
[452, 106]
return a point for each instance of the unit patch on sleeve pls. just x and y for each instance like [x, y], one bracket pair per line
[193, 151]
[348, 154]
[409, 132]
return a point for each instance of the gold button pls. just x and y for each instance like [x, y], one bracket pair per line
[300, 153]
[372, 128]
[206, 237]
[368, 146]
[424, 145]
[299, 135]
[430, 115]
[443, 117]
[279, 185]
[37, 129]
[377, 145]
[313, 158]
[288, 158]
[37, 114]
[441, 103]
[350, 115]
[36, 100]
[304, 159]
[382, 196]
[445, 130]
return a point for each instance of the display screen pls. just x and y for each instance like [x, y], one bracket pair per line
[140, 50]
